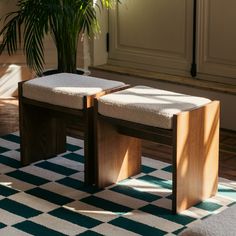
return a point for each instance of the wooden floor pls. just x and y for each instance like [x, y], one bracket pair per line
[9, 123]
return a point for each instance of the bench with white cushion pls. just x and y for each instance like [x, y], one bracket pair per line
[190, 124]
[47, 104]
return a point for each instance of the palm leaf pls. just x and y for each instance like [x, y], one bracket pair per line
[63, 19]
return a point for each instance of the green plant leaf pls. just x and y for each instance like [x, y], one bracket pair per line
[64, 20]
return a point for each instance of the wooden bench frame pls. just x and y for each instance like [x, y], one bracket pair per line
[195, 158]
[43, 129]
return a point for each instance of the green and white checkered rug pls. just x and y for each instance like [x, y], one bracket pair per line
[49, 198]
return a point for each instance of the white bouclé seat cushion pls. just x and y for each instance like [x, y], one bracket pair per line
[148, 106]
[66, 89]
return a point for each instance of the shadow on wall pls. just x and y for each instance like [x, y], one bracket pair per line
[9, 78]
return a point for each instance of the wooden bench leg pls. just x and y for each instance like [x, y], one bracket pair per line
[195, 156]
[42, 136]
[117, 156]
[89, 166]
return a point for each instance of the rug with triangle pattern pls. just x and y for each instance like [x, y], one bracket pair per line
[49, 198]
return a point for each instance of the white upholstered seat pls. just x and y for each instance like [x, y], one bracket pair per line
[66, 89]
[148, 106]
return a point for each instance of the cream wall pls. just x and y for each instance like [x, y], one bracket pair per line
[216, 40]
[156, 35]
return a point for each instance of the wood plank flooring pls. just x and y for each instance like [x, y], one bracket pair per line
[9, 123]
[8, 116]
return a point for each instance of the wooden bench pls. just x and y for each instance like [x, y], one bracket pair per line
[190, 124]
[47, 103]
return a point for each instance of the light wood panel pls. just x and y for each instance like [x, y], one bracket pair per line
[118, 156]
[42, 134]
[195, 155]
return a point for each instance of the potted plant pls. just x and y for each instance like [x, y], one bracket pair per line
[64, 20]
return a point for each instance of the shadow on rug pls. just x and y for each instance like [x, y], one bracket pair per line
[49, 198]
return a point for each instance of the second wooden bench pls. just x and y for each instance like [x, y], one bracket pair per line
[190, 124]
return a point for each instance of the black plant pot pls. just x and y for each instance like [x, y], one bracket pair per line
[55, 71]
